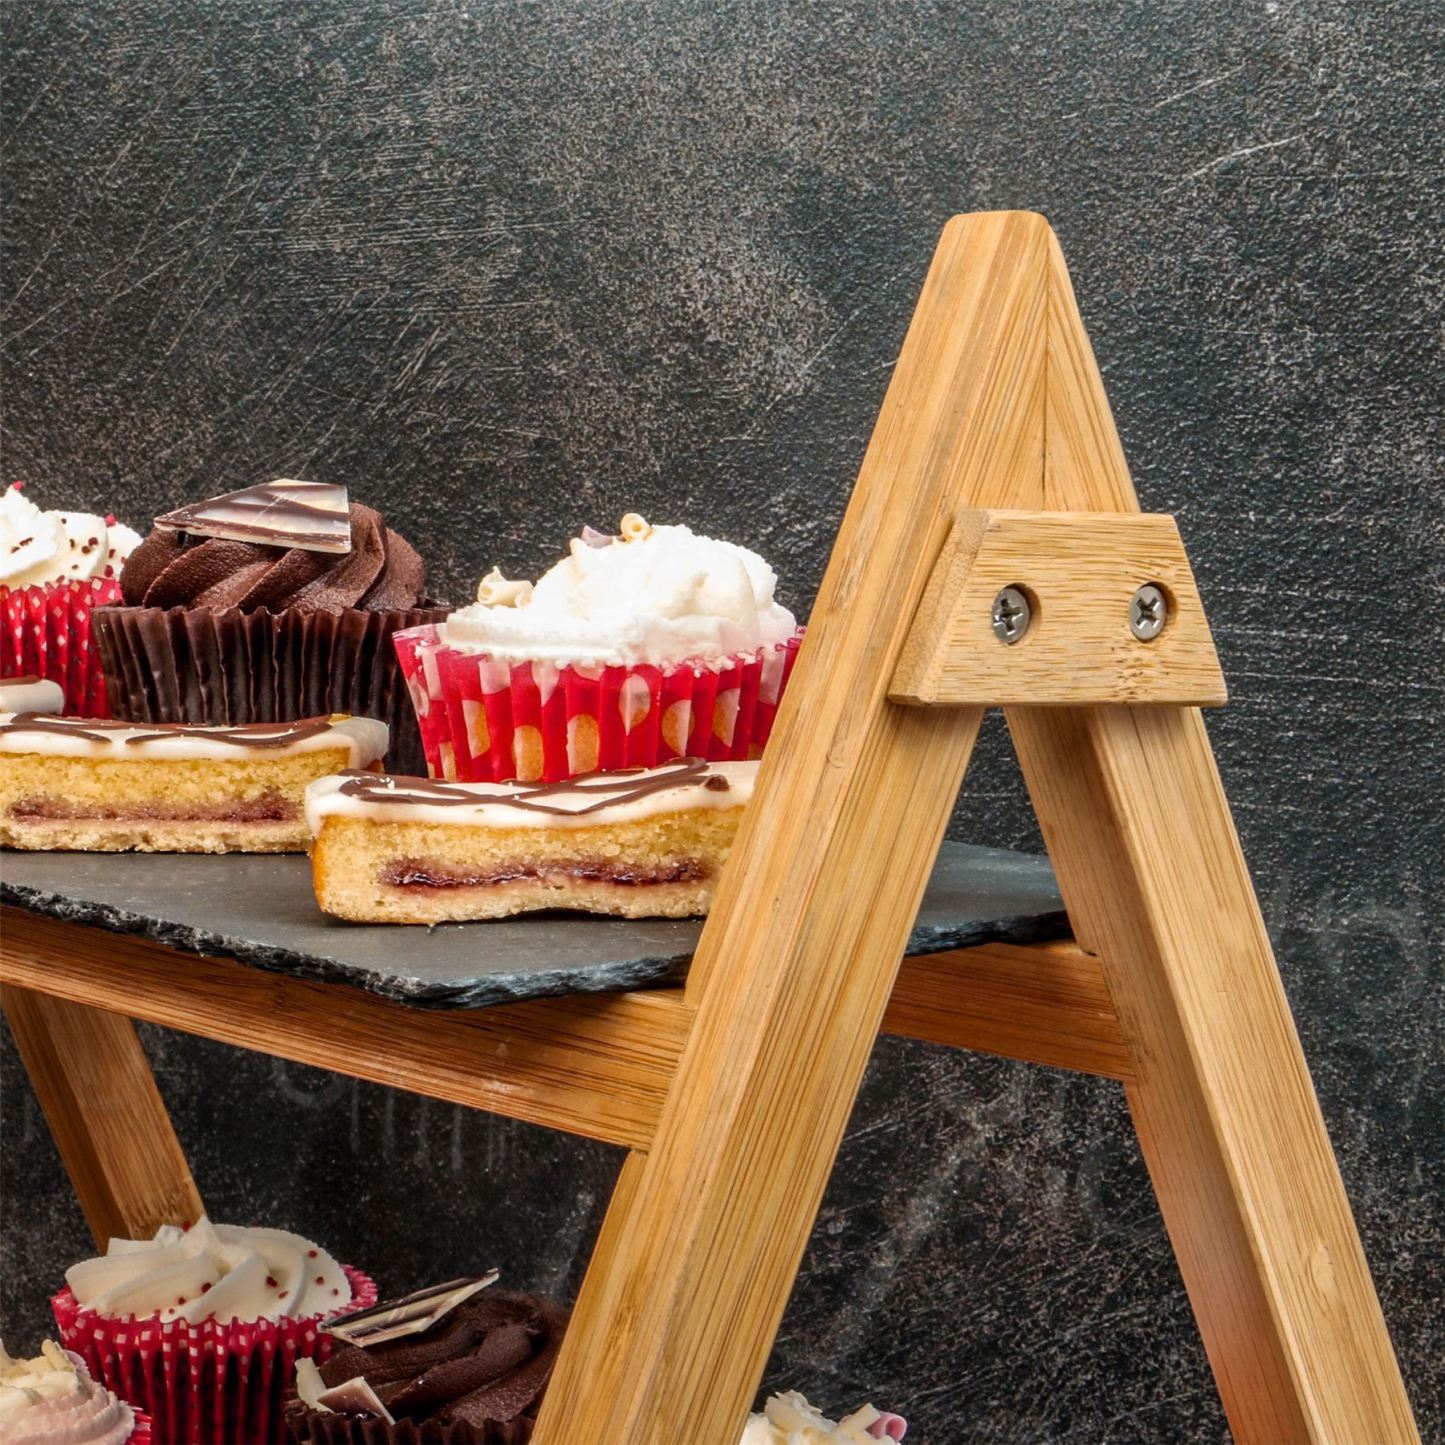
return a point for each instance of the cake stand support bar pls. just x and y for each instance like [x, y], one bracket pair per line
[598, 1065]
[996, 403]
[109, 1122]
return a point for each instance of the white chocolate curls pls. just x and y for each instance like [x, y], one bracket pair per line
[494, 590]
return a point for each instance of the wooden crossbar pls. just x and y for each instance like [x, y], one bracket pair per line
[1071, 641]
[598, 1065]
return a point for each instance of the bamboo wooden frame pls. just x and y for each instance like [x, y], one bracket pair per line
[732, 1093]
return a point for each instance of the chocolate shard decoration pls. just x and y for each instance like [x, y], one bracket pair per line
[409, 1315]
[314, 516]
[354, 1397]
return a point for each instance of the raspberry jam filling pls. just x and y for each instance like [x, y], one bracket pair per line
[418, 873]
[267, 808]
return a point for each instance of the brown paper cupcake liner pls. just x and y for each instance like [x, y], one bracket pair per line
[207, 665]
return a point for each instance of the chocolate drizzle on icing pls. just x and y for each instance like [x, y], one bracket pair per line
[605, 790]
[102, 730]
[312, 516]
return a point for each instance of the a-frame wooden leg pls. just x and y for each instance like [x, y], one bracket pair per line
[1137, 825]
[1141, 837]
[100, 1099]
[793, 972]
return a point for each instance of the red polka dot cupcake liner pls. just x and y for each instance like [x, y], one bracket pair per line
[202, 1383]
[483, 720]
[46, 632]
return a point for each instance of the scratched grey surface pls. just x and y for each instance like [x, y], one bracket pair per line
[262, 911]
[509, 269]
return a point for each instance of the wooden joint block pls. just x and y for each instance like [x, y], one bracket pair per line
[1078, 574]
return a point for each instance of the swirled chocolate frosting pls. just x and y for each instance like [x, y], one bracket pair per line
[381, 572]
[477, 1375]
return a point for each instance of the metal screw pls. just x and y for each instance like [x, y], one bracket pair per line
[1148, 612]
[1010, 615]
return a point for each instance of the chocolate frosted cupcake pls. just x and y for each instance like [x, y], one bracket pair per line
[458, 1364]
[267, 605]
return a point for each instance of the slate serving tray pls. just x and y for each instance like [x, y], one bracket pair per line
[261, 911]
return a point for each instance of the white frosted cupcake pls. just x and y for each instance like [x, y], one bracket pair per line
[52, 1400]
[653, 644]
[788, 1419]
[55, 568]
[202, 1327]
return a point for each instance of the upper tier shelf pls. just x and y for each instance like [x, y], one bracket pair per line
[261, 911]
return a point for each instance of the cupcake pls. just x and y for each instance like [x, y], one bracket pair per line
[52, 1400]
[634, 649]
[270, 604]
[788, 1419]
[458, 1364]
[202, 1327]
[55, 567]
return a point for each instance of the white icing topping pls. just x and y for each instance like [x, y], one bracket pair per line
[52, 1399]
[488, 805]
[38, 547]
[38, 695]
[221, 1272]
[788, 1419]
[658, 595]
[364, 736]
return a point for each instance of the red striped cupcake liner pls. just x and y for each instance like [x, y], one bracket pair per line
[205, 1383]
[140, 1430]
[483, 720]
[45, 632]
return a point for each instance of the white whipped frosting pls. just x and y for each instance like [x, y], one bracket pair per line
[221, 1272]
[38, 547]
[51, 1400]
[657, 595]
[364, 737]
[788, 1419]
[486, 805]
[36, 694]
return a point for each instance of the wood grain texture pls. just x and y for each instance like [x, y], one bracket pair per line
[1137, 824]
[1138, 827]
[1046, 1003]
[109, 1122]
[597, 1065]
[797, 961]
[1080, 572]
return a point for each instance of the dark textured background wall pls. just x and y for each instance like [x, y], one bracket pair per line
[509, 268]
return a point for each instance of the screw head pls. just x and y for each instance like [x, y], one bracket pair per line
[1011, 615]
[1148, 612]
